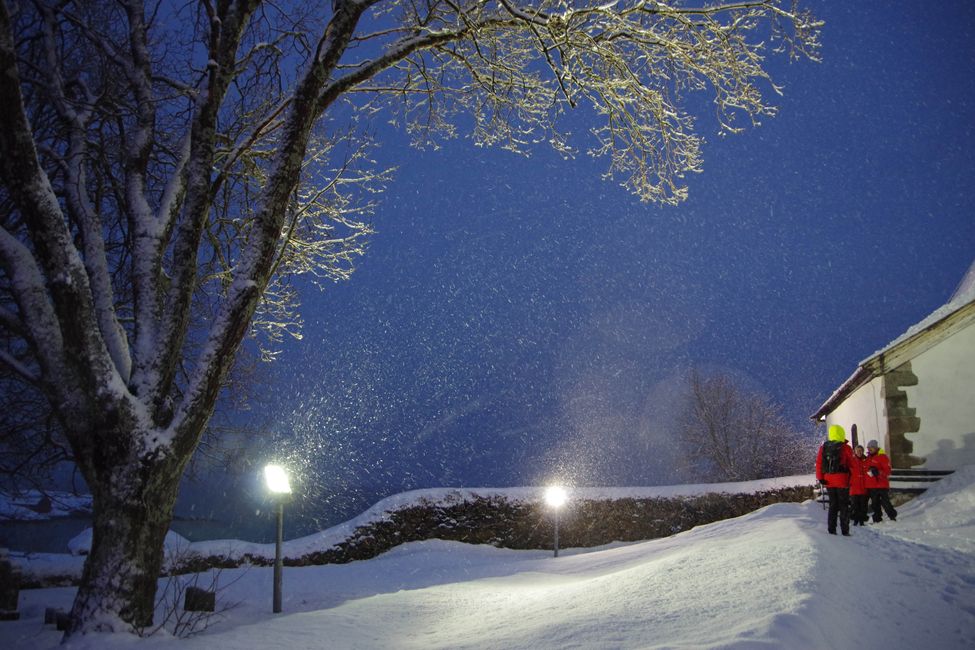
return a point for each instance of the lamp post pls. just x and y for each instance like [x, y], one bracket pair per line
[277, 482]
[555, 497]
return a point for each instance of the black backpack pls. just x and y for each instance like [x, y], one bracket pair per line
[832, 463]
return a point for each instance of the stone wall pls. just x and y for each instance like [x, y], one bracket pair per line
[525, 525]
[505, 523]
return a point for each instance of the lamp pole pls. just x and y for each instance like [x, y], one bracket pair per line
[278, 563]
[556, 496]
[280, 487]
[556, 532]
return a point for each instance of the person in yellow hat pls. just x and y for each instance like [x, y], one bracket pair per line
[833, 463]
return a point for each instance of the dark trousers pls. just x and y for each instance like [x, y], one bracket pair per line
[880, 502]
[858, 509]
[839, 505]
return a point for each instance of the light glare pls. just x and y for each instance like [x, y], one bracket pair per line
[556, 496]
[277, 479]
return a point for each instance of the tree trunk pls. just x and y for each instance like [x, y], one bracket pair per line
[132, 509]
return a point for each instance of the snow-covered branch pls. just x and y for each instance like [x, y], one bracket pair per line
[57, 269]
[224, 38]
[74, 103]
[252, 273]
[38, 323]
[143, 225]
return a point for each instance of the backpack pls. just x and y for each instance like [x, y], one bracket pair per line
[832, 463]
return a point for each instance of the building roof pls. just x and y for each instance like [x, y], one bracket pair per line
[939, 324]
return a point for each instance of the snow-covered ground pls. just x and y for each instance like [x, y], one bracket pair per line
[772, 578]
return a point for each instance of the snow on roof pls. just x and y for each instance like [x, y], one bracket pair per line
[967, 283]
[963, 295]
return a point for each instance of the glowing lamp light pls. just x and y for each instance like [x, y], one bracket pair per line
[556, 496]
[277, 479]
[277, 482]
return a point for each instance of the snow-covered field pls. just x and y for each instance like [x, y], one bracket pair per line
[772, 578]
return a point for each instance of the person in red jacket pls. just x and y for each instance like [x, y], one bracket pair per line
[878, 483]
[858, 487]
[833, 464]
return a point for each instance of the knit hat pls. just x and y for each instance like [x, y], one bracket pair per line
[873, 445]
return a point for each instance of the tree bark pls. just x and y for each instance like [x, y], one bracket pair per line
[132, 508]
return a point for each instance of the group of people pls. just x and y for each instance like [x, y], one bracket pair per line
[854, 481]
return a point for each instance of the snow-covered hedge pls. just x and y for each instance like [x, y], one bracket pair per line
[507, 517]
[512, 518]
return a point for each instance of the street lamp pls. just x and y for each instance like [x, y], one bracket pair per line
[277, 482]
[555, 497]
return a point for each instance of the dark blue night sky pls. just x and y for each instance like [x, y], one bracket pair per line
[518, 319]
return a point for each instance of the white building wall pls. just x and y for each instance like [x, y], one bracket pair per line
[944, 399]
[865, 408]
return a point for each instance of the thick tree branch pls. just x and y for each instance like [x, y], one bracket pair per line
[76, 195]
[38, 322]
[225, 34]
[144, 228]
[252, 273]
[69, 316]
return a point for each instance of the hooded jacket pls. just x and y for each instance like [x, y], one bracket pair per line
[881, 463]
[858, 475]
[839, 479]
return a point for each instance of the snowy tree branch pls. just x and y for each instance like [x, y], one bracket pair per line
[38, 321]
[64, 276]
[76, 194]
[252, 274]
[225, 34]
[143, 226]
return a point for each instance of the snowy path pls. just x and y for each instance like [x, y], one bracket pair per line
[773, 578]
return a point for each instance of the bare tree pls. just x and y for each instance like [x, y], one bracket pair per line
[167, 167]
[730, 434]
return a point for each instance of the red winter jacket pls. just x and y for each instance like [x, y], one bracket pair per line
[881, 463]
[858, 475]
[838, 479]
